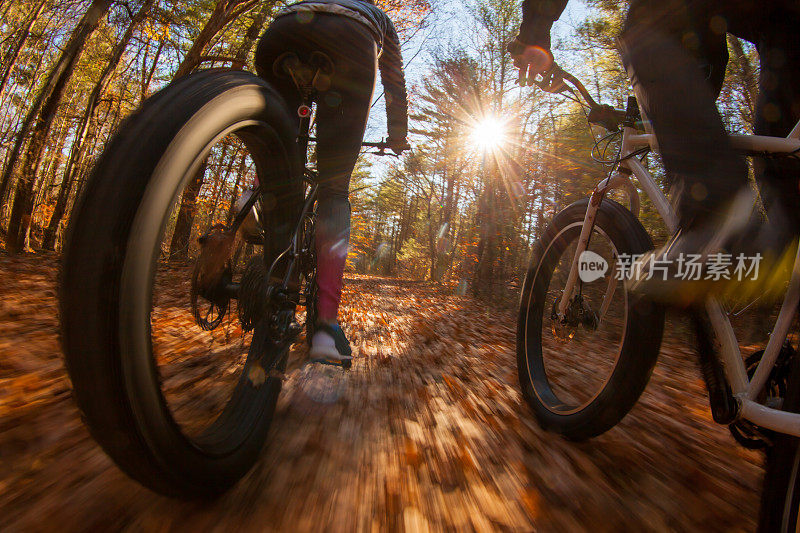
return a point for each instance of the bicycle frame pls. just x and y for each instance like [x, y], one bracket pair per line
[745, 390]
[310, 180]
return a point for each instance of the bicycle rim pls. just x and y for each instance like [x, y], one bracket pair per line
[577, 363]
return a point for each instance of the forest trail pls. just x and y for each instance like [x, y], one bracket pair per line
[428, 431]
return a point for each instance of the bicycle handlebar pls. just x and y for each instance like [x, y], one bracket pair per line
[381, 147]
[555, 80]
[552, 82]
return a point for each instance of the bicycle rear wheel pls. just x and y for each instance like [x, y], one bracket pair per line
[176, 407]
[780, 497]
[582, 374]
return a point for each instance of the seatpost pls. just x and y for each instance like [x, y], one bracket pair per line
[304, 112]
[305, 79]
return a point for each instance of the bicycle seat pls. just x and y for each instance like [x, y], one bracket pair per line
[323, 62]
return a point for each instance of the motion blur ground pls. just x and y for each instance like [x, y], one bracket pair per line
[426, 431]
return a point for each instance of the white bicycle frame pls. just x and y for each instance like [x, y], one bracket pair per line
[745, 390]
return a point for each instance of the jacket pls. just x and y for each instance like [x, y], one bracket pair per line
[390, 58]
[538, 17]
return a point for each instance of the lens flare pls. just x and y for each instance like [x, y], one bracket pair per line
[489, 134]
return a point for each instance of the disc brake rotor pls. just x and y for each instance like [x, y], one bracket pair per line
[578, 313]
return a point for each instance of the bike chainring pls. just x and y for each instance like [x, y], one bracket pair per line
[261, 300]
[746, 433]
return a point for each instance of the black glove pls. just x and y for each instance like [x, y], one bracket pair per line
[530, 60]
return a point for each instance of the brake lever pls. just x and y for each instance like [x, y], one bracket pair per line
[551, 82]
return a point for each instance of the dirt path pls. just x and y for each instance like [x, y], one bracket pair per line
[427, 432]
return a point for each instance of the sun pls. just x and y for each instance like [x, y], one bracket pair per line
[488, 134]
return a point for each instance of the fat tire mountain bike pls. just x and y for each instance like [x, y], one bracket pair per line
[109, 301]
[563, 316]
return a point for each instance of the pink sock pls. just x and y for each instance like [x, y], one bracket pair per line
[332, 239]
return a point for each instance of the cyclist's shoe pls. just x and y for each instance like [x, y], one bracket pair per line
[738, 259]
[330, 346]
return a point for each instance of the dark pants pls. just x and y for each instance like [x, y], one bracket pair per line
[678, 53]
[341, 119]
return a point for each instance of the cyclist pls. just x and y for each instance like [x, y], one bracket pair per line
[358, 38]
[676, 51]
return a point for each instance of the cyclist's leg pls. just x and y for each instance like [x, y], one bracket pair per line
[283, 196]
[678, 62]
[283, 35]
[342, 114]
[778, 111]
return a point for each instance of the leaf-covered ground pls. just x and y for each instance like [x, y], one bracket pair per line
[427, 432]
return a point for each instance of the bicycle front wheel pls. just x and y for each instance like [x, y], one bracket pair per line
[179, 408]
[581, 373]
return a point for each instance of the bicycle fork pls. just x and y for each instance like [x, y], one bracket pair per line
[618, 180]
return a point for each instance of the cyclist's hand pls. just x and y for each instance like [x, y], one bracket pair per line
[398, 146]
[530, 60]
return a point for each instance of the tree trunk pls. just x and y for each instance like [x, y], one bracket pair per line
[488, 245]
[235, 193]
[389, 265]
[37, 124]
[148, 75]
[50, 171]
[179, 246]
[431, 241]
[224, 12]
[219, 179]
[78, 146]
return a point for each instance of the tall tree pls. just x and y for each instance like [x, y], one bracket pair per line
[79, 144]
[224, 12]
[10, 59]
[37, 125]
